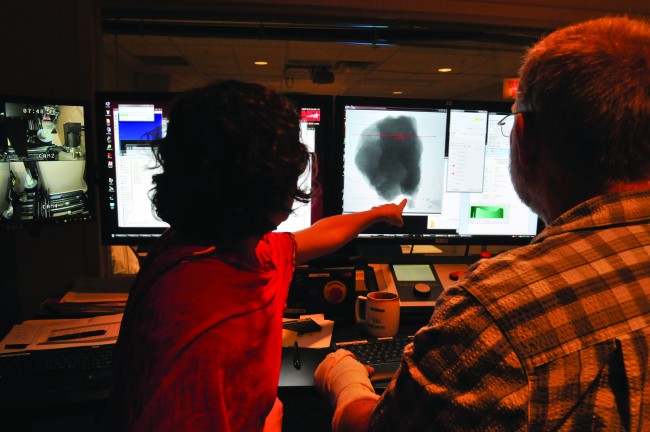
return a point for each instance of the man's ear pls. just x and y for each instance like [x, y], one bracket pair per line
[527, 150]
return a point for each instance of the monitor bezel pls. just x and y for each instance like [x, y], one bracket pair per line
[146, 236]
[89, 170]
[415, 232]
[320, 195]
[109, 225]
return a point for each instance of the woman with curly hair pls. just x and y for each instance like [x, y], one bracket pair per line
[200, 342]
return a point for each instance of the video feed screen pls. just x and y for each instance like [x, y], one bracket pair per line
[451, 161]
[43, 154]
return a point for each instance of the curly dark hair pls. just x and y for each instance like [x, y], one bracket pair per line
[230, 161]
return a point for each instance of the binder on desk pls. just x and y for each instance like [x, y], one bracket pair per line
[99, 290]
[93, 296]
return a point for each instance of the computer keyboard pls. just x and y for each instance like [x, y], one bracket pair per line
[383, 354]
[63, 368]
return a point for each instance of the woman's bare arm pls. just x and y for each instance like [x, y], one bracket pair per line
[331, 233]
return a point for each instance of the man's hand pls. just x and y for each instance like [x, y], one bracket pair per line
[345, 382]
[342, 379]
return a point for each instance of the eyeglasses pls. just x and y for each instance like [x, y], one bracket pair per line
[508, 122]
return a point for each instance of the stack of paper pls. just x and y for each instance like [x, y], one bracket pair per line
[62, 333]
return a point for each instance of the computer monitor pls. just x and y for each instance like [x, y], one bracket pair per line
[316, 123]
[130, 120]
[126, 124]
[448, 158]
[43, 161]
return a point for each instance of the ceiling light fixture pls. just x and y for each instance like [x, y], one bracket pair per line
[261, 63]
[444, 70]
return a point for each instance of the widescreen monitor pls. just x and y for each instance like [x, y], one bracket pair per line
[127, 124]
[449, 159]
[44, 174]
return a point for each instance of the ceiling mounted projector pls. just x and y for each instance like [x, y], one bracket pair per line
[322, 76]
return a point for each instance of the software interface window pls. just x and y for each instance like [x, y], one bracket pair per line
[134, 126]
[301, 216]
[478, 174]
[452, 166]
[392, 154]
[450, 162]
[130, 166]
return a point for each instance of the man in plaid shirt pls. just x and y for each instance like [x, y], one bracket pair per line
[554, 335]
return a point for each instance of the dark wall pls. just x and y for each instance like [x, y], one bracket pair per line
[49, 49]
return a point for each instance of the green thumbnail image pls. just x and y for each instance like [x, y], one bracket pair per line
[487, 212]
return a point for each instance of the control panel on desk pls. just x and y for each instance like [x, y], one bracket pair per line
[417, 284]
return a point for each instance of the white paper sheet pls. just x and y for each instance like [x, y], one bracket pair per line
[322, 339]
[34, 334]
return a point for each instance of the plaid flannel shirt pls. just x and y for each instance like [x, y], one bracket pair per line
[551, 336]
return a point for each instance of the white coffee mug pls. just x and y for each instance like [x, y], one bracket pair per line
[382, 313]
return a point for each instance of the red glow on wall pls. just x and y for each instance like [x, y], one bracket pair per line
[510, 86]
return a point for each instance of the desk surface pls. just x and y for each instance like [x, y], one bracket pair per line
[310, 358]
[303, 378]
